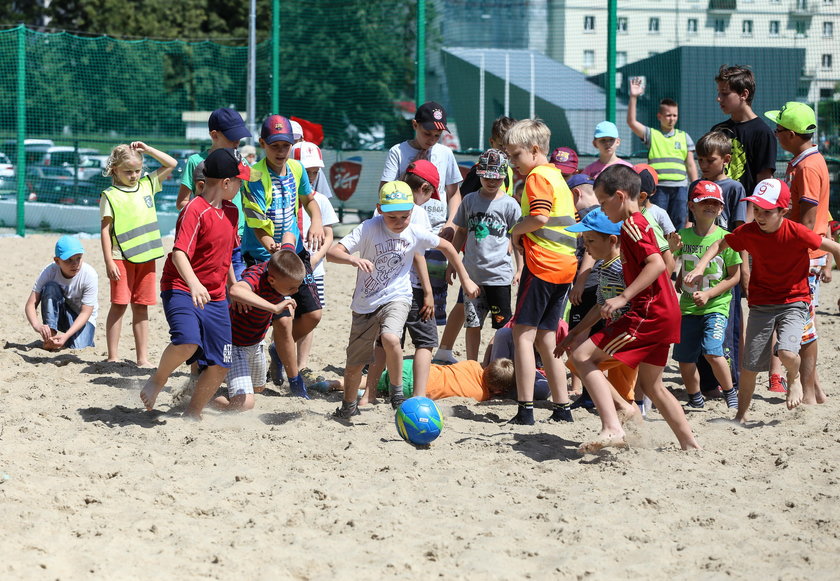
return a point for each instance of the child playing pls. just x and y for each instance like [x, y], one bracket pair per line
[607, 142]
[778, 293]
[808, 178]
[309, 155]
[642, 337]
[386, 245]
[670, 154]
[705, 304]
[264, 287]
[131, 242]
[483, 221]
[193, 282]
[550, 266]
[472, 182]
[271, 218]
[67, 292]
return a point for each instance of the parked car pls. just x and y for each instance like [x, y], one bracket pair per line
[165, 199]
[36, 150]
[35, 172]
[77, 193]
[7, 170]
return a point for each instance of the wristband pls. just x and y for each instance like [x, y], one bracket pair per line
[288, 246]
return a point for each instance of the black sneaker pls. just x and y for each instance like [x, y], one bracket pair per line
[346, 411]
[561, 415]
[520, 420]
[397, 400]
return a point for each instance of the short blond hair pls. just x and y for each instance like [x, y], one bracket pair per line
[529, 132]
[499, 377]
[119, 155]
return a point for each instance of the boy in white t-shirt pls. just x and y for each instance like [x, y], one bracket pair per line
[309, 155]
[386, 245]
[67, 292]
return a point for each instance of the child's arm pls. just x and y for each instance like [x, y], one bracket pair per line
[200, 296]
[470, 288]
[268, 241]
[184, 194]
[60, 338]
[241, 292]
[32, 316]
[315, 236]
[338, 254]
[422, 271]
[833, 247]
[636, 91]
[167, 162]
[520, 262]
[654, 266]
[458, 243]
[670, 261]
[322, 251]
[586, 264]
[575, 337]
[111, 270]
[691, 167]
[703, 297]
[453, 202]
[716, 248]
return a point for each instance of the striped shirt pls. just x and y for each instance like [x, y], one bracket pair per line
[610, 282]
[249, 328]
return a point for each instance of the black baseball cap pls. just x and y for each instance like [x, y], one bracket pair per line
[225, 163]
[229, 122]
[431, 116]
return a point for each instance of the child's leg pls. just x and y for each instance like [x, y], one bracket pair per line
[555, 370]
[173, 357]
[472, 338]
[650, 376]
[586, 359]
[285, 346]
[690, 377]
[140, 326]
[393, 362]
[208, 382]
[791, 362]
[422, 365]
[113, 328]
[304, 348]
[524, 362]
[352, 380]
[720, 367]
[375, 370]
[812, 393]
[745, 393]
[454, 323]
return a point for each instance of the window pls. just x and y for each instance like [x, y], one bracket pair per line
[588, 59]
[621, 58]
[774, 28]
[692, 26]
[720, 26]
[589, 24]
[826, 93]
[747, 28]
[801, 29]
[828, 29]
[802, 4]
[653, 25]
[826, 61]
[622, 25]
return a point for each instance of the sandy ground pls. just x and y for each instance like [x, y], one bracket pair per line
[92, 486]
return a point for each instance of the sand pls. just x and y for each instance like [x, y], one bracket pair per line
[92, 486]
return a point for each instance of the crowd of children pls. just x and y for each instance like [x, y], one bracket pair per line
[597, 259]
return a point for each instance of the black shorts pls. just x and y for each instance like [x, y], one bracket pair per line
[306, 296]
[588, 299]
[539, 303]
[493, 300]
[423, 333]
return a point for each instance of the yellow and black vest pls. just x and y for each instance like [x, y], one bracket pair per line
[135, 222]
[553, 235]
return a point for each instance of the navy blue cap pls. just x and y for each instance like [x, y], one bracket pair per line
[578, 179]
[229, 123]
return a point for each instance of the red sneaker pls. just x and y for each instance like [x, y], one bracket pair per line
[778, 384]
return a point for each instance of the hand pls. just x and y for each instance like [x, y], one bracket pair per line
[450, 274]
[674, 241]
[314, 239]
[745, 284]
[139, 146]
[274, 247]
[46, 333]
[286, 304]
[688, 279]
[240, 307]
[427, 311]
[636, 87]
[200, 296]
[517, 276]
[576, 294]
[612, 305]
[825, 274]
[363, 264]
[58, 340]
[569, 343]
[700, 298]
[470, 289]
[112, 270]
[448, 233]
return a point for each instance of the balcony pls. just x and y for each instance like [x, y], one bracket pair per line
[802, 8]
[723, 6]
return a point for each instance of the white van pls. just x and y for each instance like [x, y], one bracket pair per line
[37, 150]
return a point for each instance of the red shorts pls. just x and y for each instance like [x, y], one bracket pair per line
[136, 285]
[616, 340]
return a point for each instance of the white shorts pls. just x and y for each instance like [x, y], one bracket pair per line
[247, 370]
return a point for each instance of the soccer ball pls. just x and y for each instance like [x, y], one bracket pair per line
[419, 421]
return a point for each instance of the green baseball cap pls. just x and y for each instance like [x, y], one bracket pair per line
[795, 116]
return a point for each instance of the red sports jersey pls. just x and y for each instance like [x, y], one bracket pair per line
[780, 261]
[207, 235]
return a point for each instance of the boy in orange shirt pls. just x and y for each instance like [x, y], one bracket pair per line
[807, 176]
[550, 267]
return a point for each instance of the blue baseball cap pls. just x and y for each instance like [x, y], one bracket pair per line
[68, 246]
[596, 221]
[395, 197]
[277, 128]
[578, 179]
[229, 123]
[606, 129]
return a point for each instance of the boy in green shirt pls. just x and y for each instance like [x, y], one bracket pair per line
[705, 304]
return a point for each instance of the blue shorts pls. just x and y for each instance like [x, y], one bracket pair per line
[700, 335]
[209, 328]
[539, 303]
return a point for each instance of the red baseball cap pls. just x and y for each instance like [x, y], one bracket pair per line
[706, 190]
[425, 169]
[565, 159]
[769, 194]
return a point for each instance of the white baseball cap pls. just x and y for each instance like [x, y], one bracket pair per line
[297, 130]
[308, 154]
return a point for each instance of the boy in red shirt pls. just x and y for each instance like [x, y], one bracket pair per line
[193, 283]
[778, 291]
[642, 337]
[807, 176]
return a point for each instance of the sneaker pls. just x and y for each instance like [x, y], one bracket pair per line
[561, 415]
[521, 420]
[397, 400]
[582, 402]
[346, 411]
[697, 404]
[275, 367]
[778, 384]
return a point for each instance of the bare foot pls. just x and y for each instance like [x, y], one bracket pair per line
[145, 364]
[630, 415]
[821, 396]
[220, 403]
[149, 394]
[112, 360]
[691, 444]
[371, 401]
[259, 389]
[191, 416]
[603, 441]
[794, 393]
